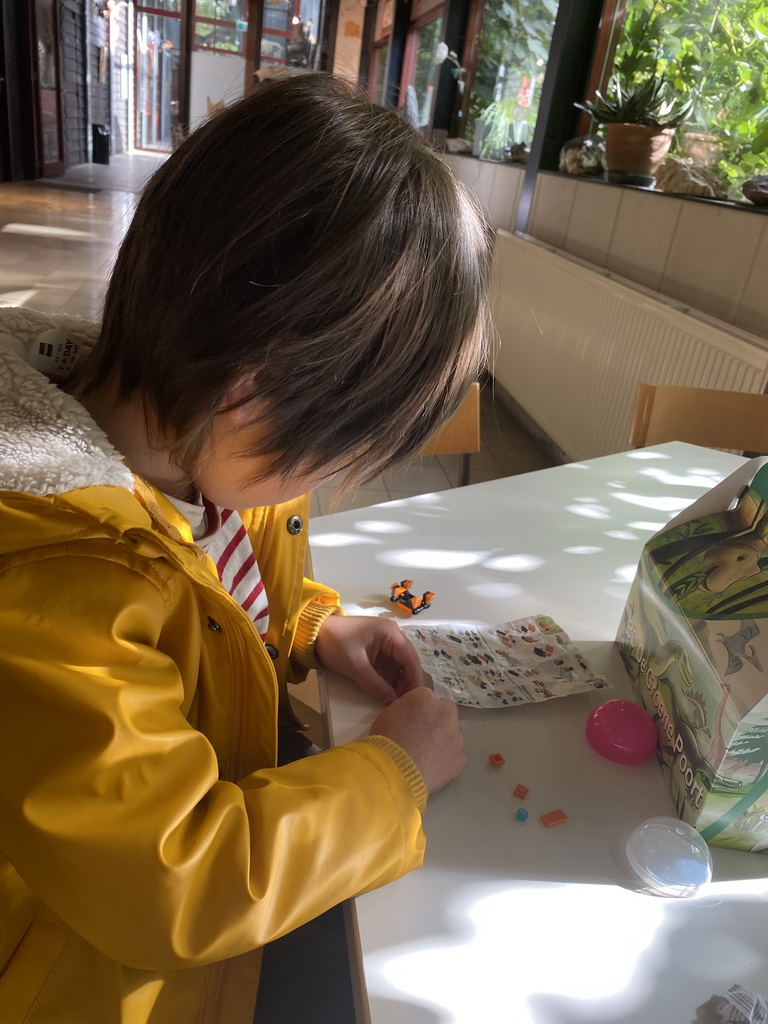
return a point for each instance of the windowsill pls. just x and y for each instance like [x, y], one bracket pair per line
[486, 160]
[730, 204]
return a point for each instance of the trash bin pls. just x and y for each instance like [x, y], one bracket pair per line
[101, 134]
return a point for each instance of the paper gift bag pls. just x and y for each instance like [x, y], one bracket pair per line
[694, 639]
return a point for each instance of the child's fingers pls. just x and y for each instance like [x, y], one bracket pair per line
[403, 653]
[374, 684]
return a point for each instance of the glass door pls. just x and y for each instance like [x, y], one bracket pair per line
[157, 75]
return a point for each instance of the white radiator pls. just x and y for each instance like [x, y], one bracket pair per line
[575, 341]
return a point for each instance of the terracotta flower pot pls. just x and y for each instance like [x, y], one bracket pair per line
[634, 152]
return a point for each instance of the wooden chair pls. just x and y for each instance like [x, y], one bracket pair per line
[460, 435]
[733, 420]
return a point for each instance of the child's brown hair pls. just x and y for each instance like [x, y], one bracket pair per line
[309, 241]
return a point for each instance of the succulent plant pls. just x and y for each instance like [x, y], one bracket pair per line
[646, 102]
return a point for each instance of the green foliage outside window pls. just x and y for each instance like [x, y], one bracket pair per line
[220, 37]
[511, 60]
[715, 53]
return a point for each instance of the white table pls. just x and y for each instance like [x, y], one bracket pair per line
[511, 923]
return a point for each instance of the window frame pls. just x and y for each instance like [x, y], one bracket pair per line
[379, 49]
[437, 11]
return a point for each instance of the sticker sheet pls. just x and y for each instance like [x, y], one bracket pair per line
[520, 662]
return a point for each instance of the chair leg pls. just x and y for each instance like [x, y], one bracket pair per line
[466, 469]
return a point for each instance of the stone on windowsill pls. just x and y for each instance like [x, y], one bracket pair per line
[584, 155]
[756, 190]
[683, 179]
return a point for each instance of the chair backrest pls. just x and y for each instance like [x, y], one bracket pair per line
[460, 435]
[734, 420]
[214, 108]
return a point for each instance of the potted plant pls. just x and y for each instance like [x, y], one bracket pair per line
[640, 120]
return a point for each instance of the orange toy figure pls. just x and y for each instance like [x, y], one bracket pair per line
[400, 593]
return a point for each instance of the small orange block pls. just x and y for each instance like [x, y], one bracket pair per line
[521, 791]
[553, 818]
[496, 760]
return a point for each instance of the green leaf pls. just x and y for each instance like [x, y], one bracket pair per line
[538, 50]
[760, 138]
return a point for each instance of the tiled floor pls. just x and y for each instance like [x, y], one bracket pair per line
[58, 239]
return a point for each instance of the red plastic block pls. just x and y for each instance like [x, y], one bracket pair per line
[552, 818]
[521, 791]
[496, 760]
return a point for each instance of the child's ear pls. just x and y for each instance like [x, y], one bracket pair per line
[236, 395]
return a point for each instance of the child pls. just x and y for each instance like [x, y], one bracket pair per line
[301, 294]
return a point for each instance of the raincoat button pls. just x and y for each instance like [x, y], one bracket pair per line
[272, 651]
[213, 625]
[295, 524]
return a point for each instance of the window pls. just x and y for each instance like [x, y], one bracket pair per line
[506, 72]
[278, 15]
[289, 32]
[275, 30]
[378, 72]
[420, 71]
[220, 25]
[715, 53]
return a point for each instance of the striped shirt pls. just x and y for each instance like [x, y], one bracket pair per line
[221, 534]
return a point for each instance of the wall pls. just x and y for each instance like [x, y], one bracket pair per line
[74, 98]
[385, 13]
[574, 343]
[214, 77]
[422, 7]
[710, 256]
[120, 78]
[496, 185]
[349, 39]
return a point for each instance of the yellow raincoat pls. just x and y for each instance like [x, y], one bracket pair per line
[148, 844]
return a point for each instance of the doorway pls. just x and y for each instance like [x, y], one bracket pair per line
[47, 87]
[157, 83]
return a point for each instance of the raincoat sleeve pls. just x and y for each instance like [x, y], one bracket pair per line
[112, 804]
[318, 602]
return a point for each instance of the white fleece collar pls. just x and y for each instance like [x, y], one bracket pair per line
[49, 444]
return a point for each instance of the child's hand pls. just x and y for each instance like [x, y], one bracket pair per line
[428, 729]
[371, 651]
